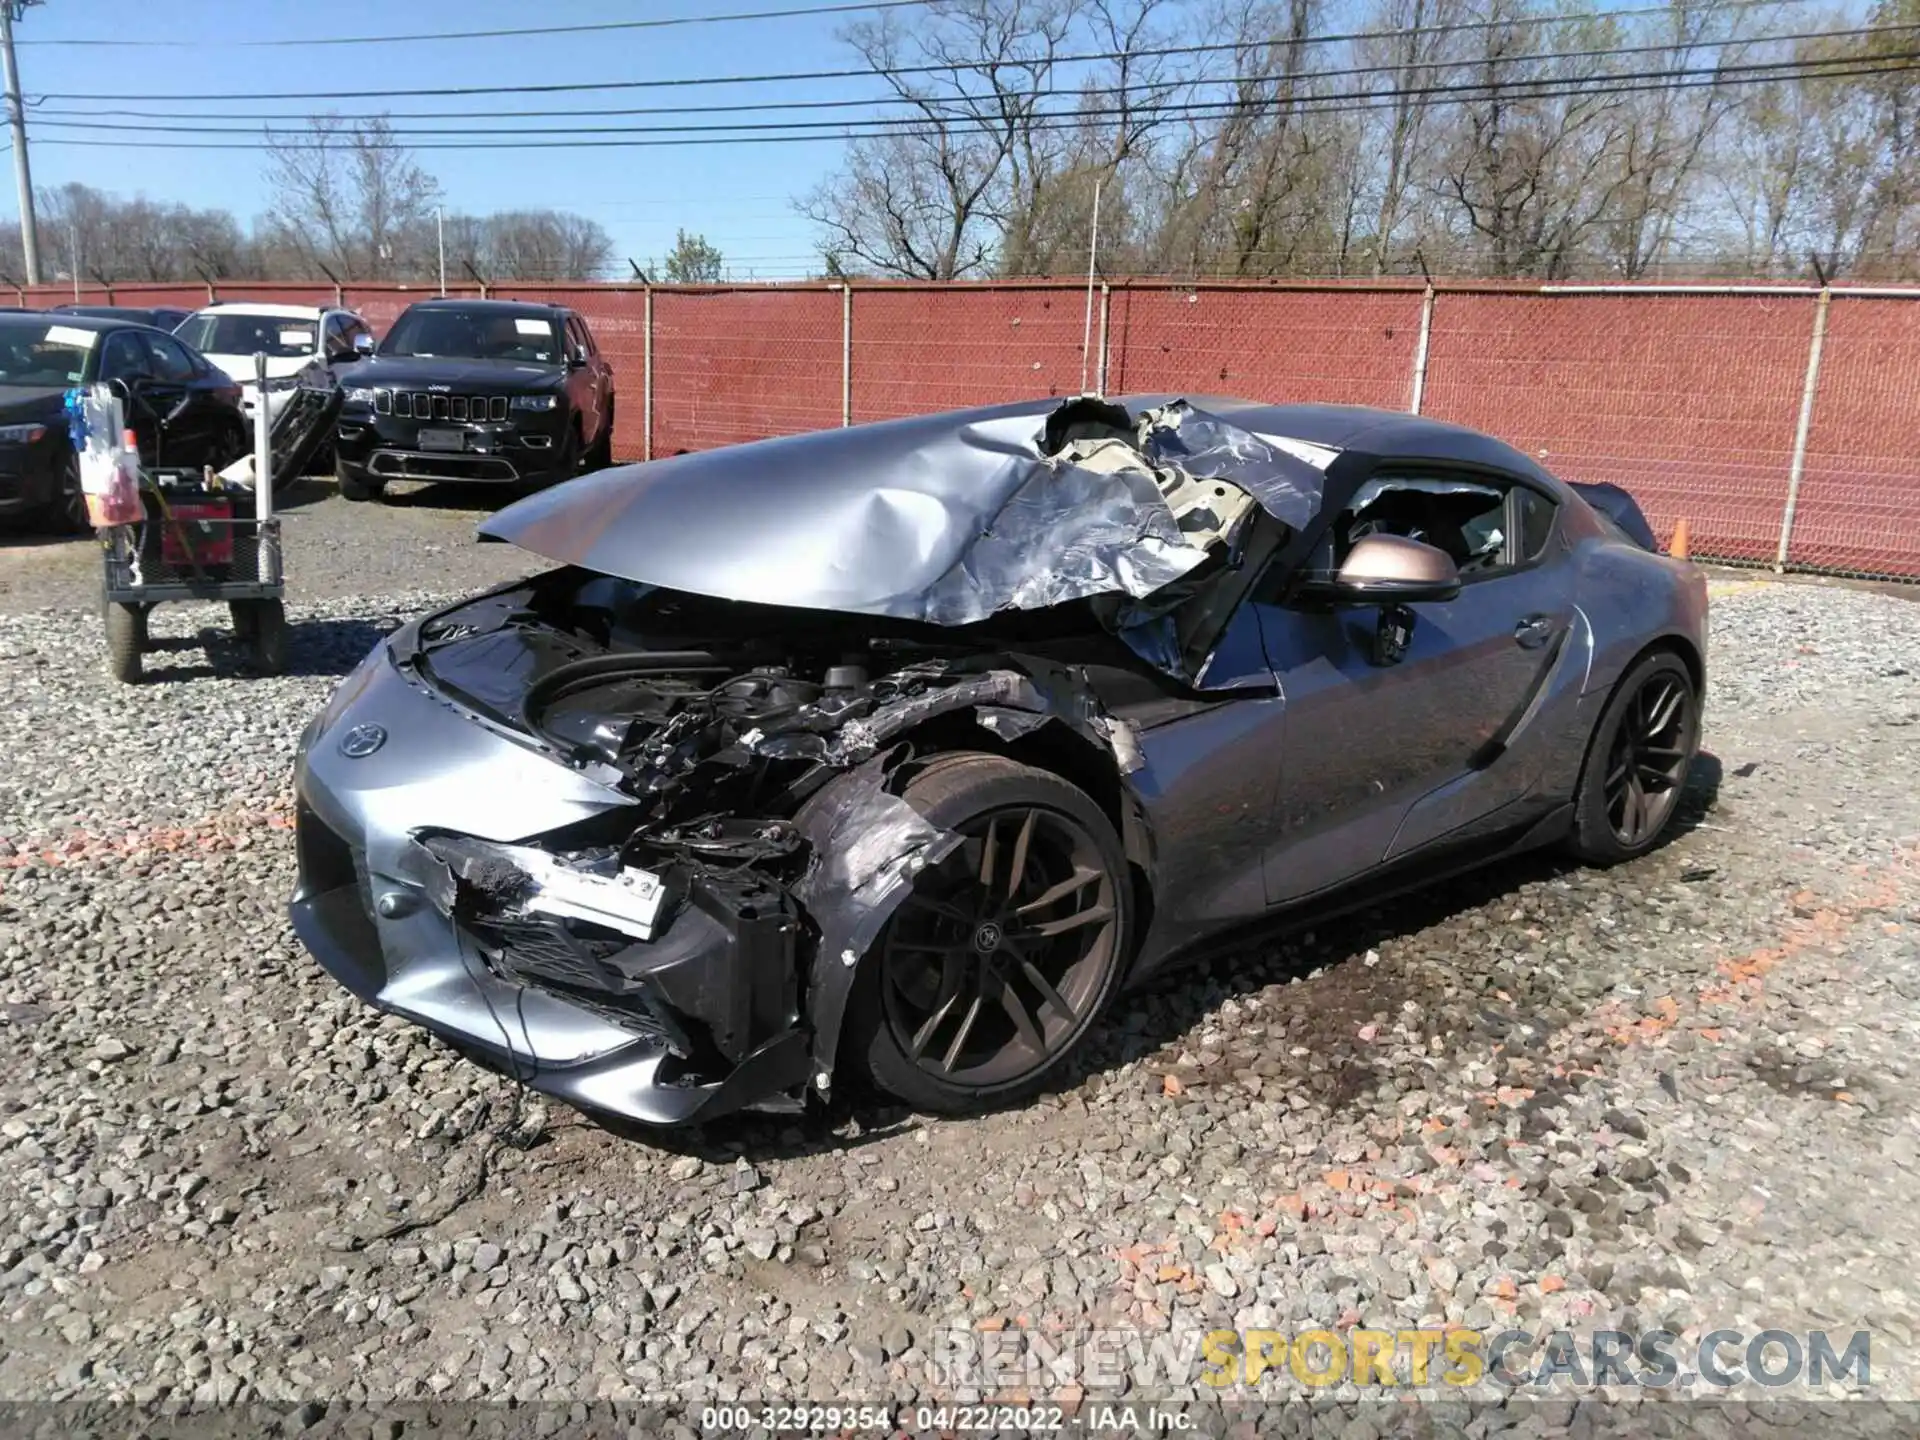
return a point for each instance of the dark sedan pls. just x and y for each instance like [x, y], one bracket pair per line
[160, 317]
[901, 749]
[182, 409]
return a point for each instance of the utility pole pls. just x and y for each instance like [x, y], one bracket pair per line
[440, 224]
[10, 11]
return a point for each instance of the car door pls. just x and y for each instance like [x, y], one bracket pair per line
[1385, 754]
[126, 363]
[206, 421]
[584, 385]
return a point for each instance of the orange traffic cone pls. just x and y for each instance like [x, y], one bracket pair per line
[1677, 547]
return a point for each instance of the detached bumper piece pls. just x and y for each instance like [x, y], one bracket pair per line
[691, 1025]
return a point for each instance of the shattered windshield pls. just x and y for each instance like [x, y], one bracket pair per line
[452, 333]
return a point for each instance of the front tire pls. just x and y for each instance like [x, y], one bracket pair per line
[993, 971]
[66, 509]
[355, 484]
[600, 457]
[1637, 762]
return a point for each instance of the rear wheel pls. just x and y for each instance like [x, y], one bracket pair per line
[126, 640]
[991, 973]
[266, 636]
[1637, 762]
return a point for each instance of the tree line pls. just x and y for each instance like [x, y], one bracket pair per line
[346, 200]
[1260, 138]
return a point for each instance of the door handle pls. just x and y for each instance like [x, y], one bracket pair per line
[1534, 631]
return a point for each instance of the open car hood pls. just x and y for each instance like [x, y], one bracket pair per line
[944, 518]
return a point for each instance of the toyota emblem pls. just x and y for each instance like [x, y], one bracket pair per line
[361, 741]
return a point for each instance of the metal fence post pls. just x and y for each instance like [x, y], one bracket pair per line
[1106, 307]
[846, 353]
[1420, 350]
[1805, 427]
[646, 379]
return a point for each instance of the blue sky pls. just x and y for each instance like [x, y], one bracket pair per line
[737, 195]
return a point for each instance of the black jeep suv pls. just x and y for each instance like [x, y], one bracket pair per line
[476, 390]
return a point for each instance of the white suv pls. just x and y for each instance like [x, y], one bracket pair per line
[294, 338]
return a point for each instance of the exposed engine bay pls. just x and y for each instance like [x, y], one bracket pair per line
[720, 722]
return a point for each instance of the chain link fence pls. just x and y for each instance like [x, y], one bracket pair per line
[1780, 421]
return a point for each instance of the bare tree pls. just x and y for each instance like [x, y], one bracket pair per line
[543, 245]
[347, 196]
[110, 238]
[931, 198]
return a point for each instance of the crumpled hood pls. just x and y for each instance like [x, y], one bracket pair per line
[941, 518]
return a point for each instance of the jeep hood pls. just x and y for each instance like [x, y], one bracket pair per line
[944, 519]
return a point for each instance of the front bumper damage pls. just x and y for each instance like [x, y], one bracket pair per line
[438, 881]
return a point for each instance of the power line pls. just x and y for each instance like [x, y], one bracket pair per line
[1550, 87]
[1046, 62]
[916, 121]
[67, 119]
[666, 22]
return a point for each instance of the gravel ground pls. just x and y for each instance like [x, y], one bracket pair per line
[1677, 1093]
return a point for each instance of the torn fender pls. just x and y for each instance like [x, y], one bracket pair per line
[868, 847]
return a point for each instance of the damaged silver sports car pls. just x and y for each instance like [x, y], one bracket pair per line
[900, 749]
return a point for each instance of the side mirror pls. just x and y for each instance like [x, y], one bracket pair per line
[362, 345]
[576, 358]
[342, 357]
[1390, 570]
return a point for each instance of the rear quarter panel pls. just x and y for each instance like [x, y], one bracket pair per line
[1632, 600]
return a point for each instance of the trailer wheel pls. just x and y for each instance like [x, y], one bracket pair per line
[266, 635]
[126, 640]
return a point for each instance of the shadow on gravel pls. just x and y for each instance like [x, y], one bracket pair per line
[37, 540]
[1324, 1018]
[445, 495]
[314, 648]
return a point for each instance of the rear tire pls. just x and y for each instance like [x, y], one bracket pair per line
[267, 636]
[355, 484]
[126, 640]
[992, 973]
[1637, 762]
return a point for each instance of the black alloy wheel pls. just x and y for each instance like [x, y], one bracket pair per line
[67, 514]
[1647, 762]
[997, 964]
[1637, 766]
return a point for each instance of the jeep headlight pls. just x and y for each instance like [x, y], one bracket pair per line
[535, 402]
[359, 395]
[21, 434]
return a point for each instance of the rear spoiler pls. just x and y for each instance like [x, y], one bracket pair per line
[1619, 507]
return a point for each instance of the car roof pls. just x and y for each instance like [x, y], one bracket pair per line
[492, 307]
[266, 308]
[101, 323]
[1362, 429]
